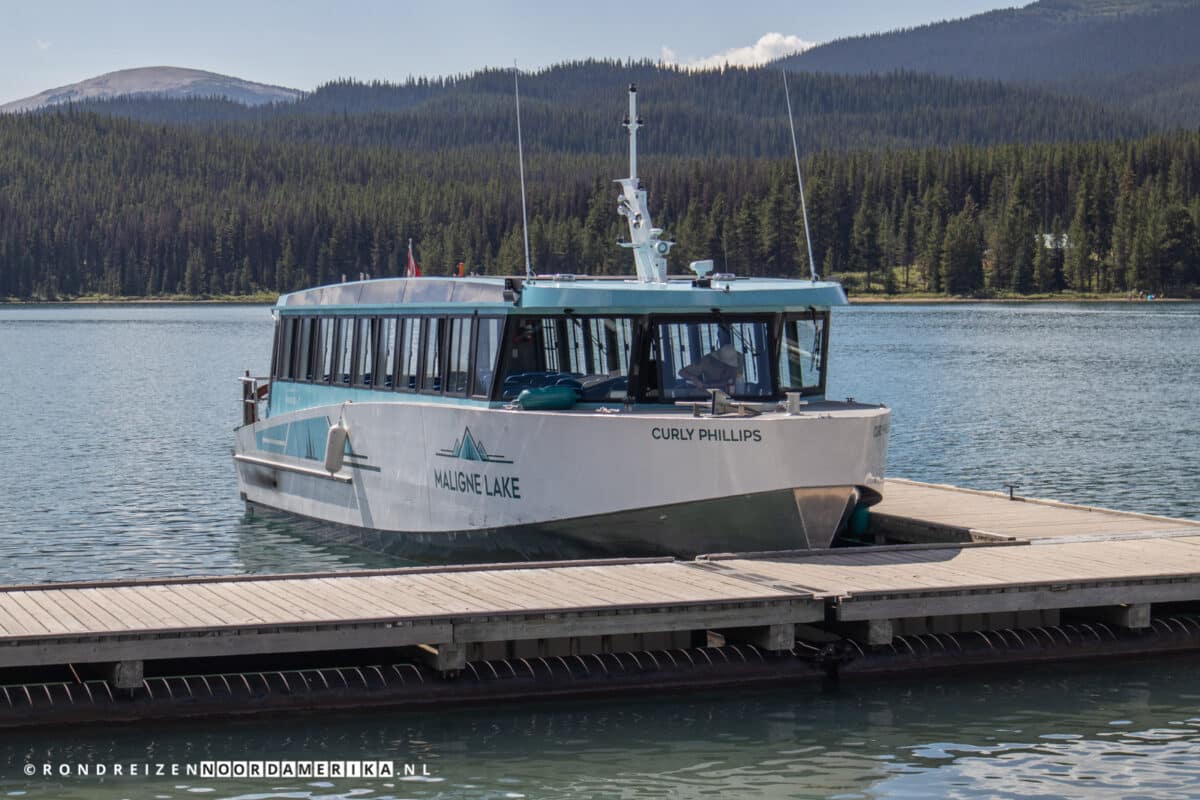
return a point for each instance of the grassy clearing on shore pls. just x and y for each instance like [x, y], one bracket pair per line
[258, 298]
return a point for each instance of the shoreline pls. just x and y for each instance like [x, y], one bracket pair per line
[105, 300]
[854, 299]
[867, 300]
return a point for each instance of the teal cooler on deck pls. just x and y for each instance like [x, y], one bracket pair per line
[548, 398]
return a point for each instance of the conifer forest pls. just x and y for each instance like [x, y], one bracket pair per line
[914, 184]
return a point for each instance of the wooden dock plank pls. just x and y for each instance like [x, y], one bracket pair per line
[520, 591]
[953, 508]
[481, 589]
[221, 615]
[207, 614]
[439, 597]
[535, 593]
[82, 611]
[394, 594]
[18, 618]
[354, 603]
[706, 581]
[334, 601]
[170, 607]
[633, 588]
[453, 598]
[106, 617]
[219, 596]
[378, 602]
[131, 615]
[54, 616]
[628, 586]
[272, 603]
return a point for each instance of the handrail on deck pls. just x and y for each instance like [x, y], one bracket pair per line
[255, 390]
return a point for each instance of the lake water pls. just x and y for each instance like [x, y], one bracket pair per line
[116, 463]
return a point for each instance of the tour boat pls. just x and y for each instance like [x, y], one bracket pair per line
[562, 415]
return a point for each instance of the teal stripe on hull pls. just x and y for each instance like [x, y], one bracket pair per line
[304, 438]
[287, 396]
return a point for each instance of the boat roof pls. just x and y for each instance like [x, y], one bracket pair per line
[556, 293]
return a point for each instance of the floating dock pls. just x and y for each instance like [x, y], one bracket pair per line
[990, 579]
[922, 512]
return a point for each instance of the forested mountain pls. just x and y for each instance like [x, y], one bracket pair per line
[915, 182]
[576, 107]
[91, 203]
[1136, 54]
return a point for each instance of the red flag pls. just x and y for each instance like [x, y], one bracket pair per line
[413, 271]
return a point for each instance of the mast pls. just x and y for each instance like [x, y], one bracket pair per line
[521, 160]
[812, 265]
[649, 251]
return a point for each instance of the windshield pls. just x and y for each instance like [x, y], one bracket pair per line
[693, 357]
[802, 357]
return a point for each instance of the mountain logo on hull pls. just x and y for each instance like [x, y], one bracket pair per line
[468, 448]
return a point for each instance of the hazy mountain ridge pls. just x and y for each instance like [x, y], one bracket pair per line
[167, 82]
[575, 108]
[1104, 50]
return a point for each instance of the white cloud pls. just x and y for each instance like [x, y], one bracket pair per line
[42, 44]
[769, 47]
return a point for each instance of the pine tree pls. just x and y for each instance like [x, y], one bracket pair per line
[195, 277]
[1121, 271]
[864, 242]
[962, 251]
[1043, 276]
[1079, 245]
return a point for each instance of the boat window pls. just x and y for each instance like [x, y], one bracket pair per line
[345, 350]
[802, 356]
[302, 367]
[431, 364]
[324, 372]
[367, 328]
[550, 340]
[410, 353]
[487, 346]
[693, 357]
[590, 354]
[284, 364]
[599, 346]
[385, 360]
[458, 345]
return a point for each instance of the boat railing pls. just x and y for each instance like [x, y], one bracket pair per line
[255, 391]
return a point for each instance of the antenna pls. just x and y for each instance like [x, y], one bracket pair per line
[521, 159]
[649, 249]
[812, 265]
[632, 123]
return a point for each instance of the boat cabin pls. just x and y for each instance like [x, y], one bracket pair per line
[487, 340]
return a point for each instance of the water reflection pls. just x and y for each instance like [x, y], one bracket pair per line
[1131, 730]
[272, 543]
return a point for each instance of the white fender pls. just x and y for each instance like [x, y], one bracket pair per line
[335, 447]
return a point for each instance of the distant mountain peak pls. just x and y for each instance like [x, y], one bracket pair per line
[173, 82]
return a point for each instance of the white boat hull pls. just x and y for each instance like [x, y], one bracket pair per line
[433, 475]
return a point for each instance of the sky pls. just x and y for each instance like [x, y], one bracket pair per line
[304, 43]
